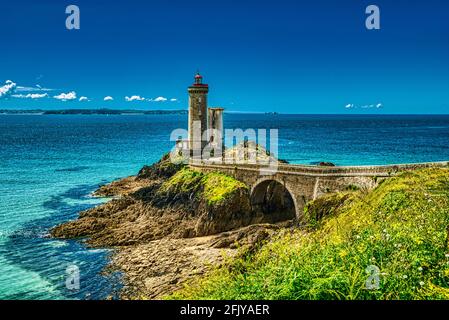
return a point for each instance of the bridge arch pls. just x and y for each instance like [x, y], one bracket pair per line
[274, 199]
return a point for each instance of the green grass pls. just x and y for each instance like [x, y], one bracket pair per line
[218, 187]
[325, 206]
[401, 228]
[184, 181]
[213, 187]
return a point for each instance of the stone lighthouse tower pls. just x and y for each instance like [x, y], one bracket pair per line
[197, 114]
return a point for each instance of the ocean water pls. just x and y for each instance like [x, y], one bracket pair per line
[50, 164]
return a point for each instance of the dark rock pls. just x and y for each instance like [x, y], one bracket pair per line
[164, 169]
[326, 164]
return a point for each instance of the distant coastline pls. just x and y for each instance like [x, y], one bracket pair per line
[90, 112]
[105, 111]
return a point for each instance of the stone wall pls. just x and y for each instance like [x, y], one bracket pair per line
[306, 183]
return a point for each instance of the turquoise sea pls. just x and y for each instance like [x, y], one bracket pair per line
[49, 164]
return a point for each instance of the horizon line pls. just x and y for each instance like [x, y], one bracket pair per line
[36, 110]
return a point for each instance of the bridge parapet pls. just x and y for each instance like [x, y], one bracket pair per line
[305, 183]
[380, 170]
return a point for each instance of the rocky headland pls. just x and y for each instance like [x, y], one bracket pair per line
[169, 224]
[184, 234]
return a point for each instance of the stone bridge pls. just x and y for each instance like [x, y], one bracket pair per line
[292, 186]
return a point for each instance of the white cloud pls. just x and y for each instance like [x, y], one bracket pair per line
[31, 89]
[83, 98]
[160, 99]
[134, 98]
[31, 96]
[10, 88]
[366, 106]
[108, 98]
[66, 96]
[7, 89]
[173, 99]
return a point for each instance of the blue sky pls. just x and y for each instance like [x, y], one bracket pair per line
[285, 56]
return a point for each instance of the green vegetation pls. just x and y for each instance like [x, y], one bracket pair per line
[325, 206]
[401, 228]
[184, 181]
[218, 187]
[352, 187]
[213, 187]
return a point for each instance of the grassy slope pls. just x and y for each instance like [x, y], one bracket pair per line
[213, 187]
[401, 227]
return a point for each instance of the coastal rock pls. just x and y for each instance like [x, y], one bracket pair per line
[163, 169]
[181, 204]
[121, 187]
[160, 267]
[80, 228]
[250, 151]
[226, 215]
[168, 224]
[326, 164]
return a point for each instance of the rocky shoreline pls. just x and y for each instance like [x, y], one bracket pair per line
[168, 225]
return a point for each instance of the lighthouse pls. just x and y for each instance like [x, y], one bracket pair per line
[197, 114]
[202, 119]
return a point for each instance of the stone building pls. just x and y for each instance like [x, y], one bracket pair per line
[202, 118]
[215, 121]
